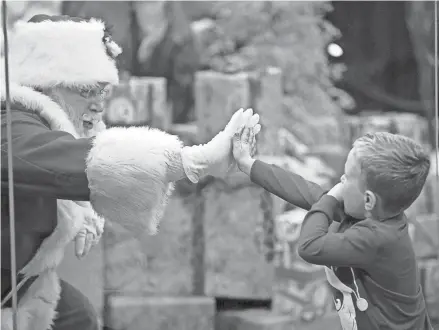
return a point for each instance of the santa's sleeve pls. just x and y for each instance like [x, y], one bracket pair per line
[131, 173]
[126, 173]
[45, 163]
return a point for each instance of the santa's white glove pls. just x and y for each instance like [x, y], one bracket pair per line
[216, 157]
[90, 233]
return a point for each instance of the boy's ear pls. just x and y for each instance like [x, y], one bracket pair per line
[370, 200]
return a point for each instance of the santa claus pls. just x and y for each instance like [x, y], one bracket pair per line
[70, 173]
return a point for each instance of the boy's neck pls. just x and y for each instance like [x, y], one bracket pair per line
[382, 215]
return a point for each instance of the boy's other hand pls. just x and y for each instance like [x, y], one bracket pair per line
[244, 148]
[337, 192]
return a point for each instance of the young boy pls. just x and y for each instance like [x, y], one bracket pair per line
[358, 229]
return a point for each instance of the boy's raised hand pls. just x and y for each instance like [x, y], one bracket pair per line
[244, 148]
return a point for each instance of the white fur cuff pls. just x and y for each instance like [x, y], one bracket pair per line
[129, 176]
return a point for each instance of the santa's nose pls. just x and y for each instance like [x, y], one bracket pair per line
[96, 107]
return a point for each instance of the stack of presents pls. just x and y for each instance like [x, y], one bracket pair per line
[230, 238]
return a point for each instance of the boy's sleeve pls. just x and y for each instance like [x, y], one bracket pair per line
[356, 247]
[287, 185]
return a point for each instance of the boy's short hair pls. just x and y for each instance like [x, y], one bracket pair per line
[393, 166]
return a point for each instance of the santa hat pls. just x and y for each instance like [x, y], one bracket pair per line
[49, 51]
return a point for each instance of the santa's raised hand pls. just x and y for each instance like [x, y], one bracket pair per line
[216, 157]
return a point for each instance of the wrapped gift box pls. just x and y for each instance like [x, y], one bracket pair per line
[268, 320]
[300, 289]
[219, 95]
[430, 280]
[152, 265]
[238, 219]
[139, 101]
[410, 125]
[425, 235]
[160, 313]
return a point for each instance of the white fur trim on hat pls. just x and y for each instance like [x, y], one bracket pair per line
[68, 53]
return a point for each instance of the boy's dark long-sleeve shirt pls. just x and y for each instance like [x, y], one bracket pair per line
[357, 246]
[380, 254]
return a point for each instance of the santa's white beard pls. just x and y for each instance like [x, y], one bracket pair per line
[76, 117]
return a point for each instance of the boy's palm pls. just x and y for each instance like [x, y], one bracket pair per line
[244, 144]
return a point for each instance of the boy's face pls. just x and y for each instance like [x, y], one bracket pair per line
[353, 190]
